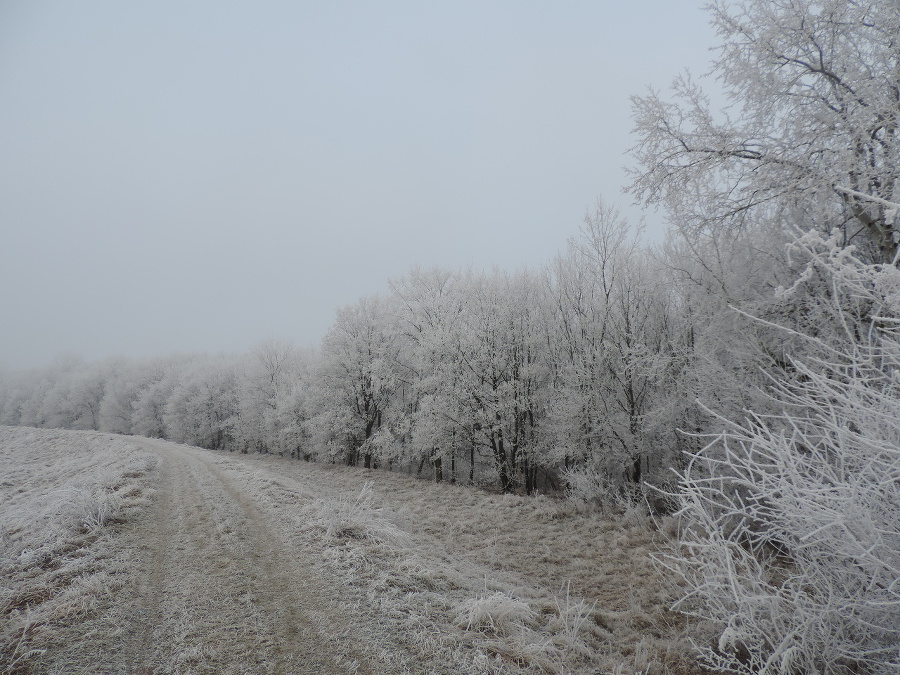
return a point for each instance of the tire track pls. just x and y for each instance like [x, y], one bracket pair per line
[219, 593]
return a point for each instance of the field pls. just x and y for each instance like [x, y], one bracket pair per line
[130, 555]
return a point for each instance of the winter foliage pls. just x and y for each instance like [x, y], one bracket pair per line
[497, 379]
[744, 374]
[812, 107]
[794, 537]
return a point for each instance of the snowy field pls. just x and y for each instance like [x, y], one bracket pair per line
[130, 555]
[64, 497]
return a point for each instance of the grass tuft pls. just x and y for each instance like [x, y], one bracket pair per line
[572, 615]
[497, 613]
[356, 517]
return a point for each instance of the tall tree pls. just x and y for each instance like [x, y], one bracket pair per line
[427, 303]
[357, 377]
[160, 380]
[74, 400]
[123, 387]
[612, 352]
[497, 370]
[809, 135]
[202, 408]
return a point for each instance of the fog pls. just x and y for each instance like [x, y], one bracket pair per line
[199, 178]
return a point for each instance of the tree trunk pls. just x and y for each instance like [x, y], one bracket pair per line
[500, 460]
[438, 469]
[636, 470]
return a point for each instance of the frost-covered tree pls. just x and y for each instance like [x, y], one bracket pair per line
[265, 379]
[495, 371]
[431, 429]
[793, 542]
[357, 379]
[809, 133]
[203, 407]
[289, 423]
[124, 384]
[16, 390]
[161, 378]
[614, 347]
[717, 280]
[74, 400]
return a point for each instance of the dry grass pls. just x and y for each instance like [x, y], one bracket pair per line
[488, 583]
[429, 578]
[60, 493]
[496, 612]
[355, 516]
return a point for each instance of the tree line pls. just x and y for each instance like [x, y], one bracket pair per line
[597, 370]
[504, 378]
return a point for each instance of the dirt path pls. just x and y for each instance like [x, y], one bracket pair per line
[209, 563]
[218, 590]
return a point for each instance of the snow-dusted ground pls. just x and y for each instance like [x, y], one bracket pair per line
[129, 555]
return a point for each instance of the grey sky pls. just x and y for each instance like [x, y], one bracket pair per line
[198, 176]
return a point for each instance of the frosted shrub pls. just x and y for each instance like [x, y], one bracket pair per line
[82, 509]
[573, 613]
[794, 548]
[586, 486]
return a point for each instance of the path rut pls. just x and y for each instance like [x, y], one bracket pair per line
[218, 590]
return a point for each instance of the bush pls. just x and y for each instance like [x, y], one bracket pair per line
[794, 547]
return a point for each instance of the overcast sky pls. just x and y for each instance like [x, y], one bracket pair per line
[199, 176]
